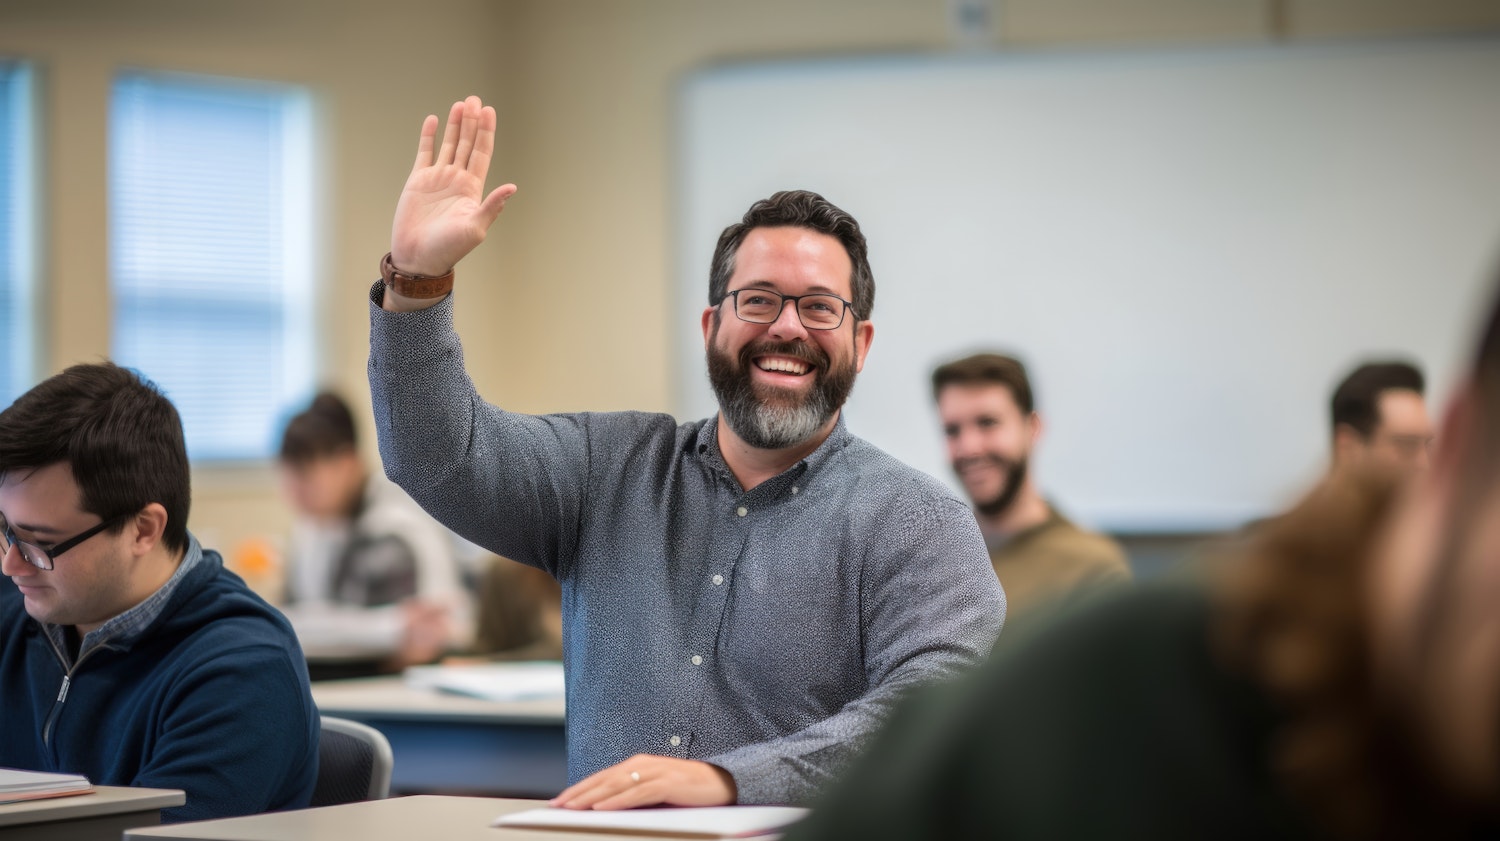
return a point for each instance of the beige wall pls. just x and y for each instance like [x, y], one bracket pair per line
[566, 306]
[371, 101]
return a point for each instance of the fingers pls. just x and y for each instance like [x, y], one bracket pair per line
[468, 130]
[494, 203]
[424, 142]
[593, 788]
[644, 793]
[644, 780]
[484, 144]
[625, 782]
[468, 138]
[450, 134]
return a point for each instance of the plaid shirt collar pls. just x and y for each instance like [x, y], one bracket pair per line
[124, 629]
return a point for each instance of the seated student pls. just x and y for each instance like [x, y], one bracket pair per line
[989, 419]
[519, 613]
[128, 654]
[366, 568]
[1342, 680]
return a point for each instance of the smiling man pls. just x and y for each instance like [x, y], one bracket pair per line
[746, 596]
[128, 653]
[992, 428]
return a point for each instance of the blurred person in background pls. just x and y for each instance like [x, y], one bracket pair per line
[1379, 414]
[367, 571]
[519, 615]
[1341, 679]
[991, 426]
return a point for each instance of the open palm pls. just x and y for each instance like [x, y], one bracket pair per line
[443, 213]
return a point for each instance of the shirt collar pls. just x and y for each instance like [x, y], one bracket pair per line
[994, 540]
[707, 447]
[124, 629]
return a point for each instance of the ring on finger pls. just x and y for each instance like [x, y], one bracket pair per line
[635, 776]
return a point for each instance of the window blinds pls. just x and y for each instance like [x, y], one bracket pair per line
[210, 252]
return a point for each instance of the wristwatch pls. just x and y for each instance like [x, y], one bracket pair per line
[412, 285]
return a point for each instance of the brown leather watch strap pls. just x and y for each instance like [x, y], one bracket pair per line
[414, 286]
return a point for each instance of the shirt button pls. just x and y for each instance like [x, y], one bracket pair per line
[742, 511]
[675, 740]
[795, 489]
[718, 579]
[697, 659]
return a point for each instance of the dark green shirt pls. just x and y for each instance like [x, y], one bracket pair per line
[1112, 722]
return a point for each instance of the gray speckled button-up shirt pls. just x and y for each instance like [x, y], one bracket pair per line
[768, 632]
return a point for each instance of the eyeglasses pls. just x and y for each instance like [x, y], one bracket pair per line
[43, 558]
[762, 306]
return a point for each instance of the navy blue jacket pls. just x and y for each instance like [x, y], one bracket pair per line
[212, 698]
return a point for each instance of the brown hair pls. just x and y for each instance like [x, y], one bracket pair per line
[322, 429]
[1294, 617]
[987, 369]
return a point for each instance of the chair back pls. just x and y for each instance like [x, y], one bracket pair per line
[354, 763]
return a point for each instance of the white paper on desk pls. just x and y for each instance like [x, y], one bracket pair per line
[492, 681]
[711, 822]
[16, 784]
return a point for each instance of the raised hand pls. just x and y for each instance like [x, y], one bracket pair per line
[443, 213]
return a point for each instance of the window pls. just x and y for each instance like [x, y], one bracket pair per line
[211, 262]
[17, 236]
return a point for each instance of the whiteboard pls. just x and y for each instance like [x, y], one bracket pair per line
[1189, 248]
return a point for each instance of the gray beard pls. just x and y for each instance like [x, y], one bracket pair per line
[773, 422]
[773, 427]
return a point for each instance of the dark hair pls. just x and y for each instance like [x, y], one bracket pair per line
[1290, 616]
[322, 429]
[797, 209]
[1356, 402]
[987, 369]
[116, 431]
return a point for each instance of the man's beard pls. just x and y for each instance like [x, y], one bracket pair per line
[1015, 477]
[776, 419]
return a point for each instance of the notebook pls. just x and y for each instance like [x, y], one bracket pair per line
[711, 822]
[493, 681]
[17, 785]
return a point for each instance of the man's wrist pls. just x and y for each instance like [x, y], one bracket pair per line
[728, 781]
[408, 292]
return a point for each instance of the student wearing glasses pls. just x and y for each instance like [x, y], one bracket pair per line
[128, 654]
[744, 597]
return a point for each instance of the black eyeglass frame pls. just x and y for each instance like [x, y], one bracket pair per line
[37, 553]
[795, 299]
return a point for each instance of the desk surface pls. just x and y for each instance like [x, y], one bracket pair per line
[106, 800]
[456, 818]
[391, 699]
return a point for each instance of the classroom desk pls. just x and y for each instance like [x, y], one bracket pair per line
[397, 819]
[340, 662]
[451, 744]
[105, 814]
